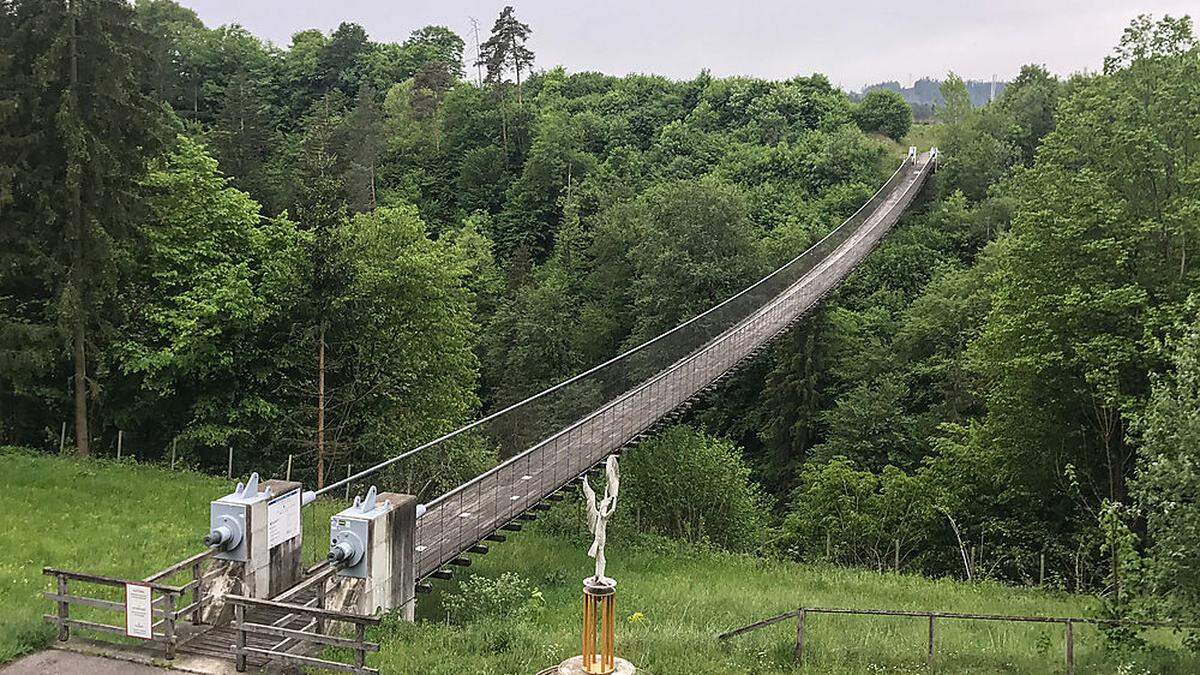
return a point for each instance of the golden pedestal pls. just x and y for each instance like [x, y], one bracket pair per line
[599, 627]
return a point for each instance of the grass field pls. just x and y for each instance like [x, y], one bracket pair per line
[128, 520]
[686, 597]
[924, 136]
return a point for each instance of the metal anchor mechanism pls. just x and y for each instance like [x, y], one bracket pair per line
[227, 519]
[350, 533]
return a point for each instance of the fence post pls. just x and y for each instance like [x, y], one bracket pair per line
[229, 473]
[197, 591]
[169, 623]
[62, 438]
[360, 649]
[1070, 647]
[64, 610]
[1042, 570]
[289, 469]
[120, 439]
[321, 605]
[174, 443]
[239, 617]
[800, 635]
[348, 474]
[929, 658]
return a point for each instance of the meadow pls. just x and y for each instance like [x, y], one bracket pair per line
[126, 519]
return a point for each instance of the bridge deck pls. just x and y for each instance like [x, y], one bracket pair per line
[219, 641]
[461, 518]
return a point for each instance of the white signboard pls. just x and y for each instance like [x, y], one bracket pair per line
[139, 621]
[283, 518]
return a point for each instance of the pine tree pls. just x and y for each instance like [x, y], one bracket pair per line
[8, 102]
[81, 132]
[505, 50]
[337, 62]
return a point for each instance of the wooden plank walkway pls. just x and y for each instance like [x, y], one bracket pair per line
[219, 641]
[466, 515]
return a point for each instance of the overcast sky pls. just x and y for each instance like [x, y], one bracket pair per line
[854, 42]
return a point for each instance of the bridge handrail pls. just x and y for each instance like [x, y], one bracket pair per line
[622, 356]
[462, 516]
[665, 371]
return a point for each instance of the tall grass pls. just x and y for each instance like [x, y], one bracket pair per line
[672, 601]
[102, 517]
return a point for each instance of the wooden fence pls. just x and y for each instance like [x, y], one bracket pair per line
[933, 617]
[314, 631]
[164, 606]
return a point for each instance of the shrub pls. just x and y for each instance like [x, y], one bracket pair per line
[857, 517]
[508, 596]
[686, 484]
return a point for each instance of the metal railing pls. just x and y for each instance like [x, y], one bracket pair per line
[553, 436]
[314, 631]
[932, 617]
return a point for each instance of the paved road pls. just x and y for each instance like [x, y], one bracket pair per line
[58, 662]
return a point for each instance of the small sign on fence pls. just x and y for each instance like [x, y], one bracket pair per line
[139, 618]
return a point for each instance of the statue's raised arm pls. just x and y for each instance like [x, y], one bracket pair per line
[593, 512]
[599, 513]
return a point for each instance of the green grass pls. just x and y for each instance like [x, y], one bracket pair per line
[128, 520]
[687, 597]
[100, 517]
[924, 136]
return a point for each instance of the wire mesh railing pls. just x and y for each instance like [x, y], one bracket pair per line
[552, 437]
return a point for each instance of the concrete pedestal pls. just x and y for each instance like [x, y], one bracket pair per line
[574, 666]
[272, 560]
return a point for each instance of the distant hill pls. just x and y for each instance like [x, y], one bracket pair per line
[925, 95]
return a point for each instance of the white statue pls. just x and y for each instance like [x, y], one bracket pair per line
[598, 516]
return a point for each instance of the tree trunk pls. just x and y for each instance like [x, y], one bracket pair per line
[321, 409]
[78, 331]
[82, 446]
[374, 200]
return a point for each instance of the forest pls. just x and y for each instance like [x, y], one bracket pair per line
[219, 247]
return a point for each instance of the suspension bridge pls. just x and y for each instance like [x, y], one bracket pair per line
[253, 597]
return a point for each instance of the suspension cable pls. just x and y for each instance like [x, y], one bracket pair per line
[575, 378]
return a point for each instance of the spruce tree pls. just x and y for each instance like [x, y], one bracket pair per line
[362, 141]
[320, 206]
[242, 136]
[81, 126]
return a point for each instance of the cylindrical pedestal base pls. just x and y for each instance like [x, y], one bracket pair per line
[599, 627]
[574, 666]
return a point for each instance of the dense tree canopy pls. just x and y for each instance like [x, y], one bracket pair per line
[338, 249]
